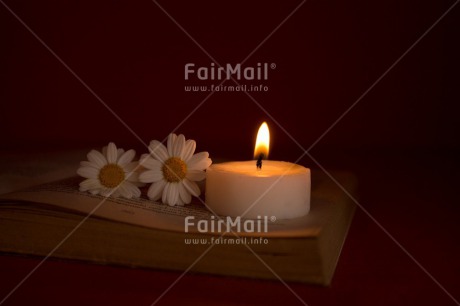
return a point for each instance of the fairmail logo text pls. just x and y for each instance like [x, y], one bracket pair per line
[227, 72]
[221, 225]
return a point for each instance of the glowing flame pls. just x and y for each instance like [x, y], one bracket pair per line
[262, 142]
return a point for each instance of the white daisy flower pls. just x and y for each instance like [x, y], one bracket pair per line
[173, 170]
[110, 173]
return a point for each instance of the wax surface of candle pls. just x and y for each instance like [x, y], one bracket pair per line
[279, 189]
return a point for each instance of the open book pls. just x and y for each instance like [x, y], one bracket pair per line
[142, 233]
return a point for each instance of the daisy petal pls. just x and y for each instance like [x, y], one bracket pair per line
[124, 191]
[90, 183]
[171, 140]
[97, 158]
[164, 196]
[179, 202]
[192, 187]
[196, 175]
[86, 163]
[150, 176]
[151, 164]
[112, 154]
[127, 157]
[189, 149]
[93, 191]
[158, 150]
[106, 192]
[88, 172]
[202, 165]
[178, 147]
[156, 190]
[184, 195]
[199, 161]
[173, 194]
[134, 191]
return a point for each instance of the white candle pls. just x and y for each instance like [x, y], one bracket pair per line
[277, 188]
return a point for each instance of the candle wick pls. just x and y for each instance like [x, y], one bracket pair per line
[259, 161]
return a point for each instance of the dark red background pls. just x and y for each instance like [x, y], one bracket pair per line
[401, 139]
[132, 55]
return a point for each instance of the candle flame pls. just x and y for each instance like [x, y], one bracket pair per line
[262, 142]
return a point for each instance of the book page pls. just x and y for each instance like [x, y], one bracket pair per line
[144, 212]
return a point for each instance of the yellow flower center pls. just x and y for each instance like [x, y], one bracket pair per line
[111, 175]
[174, 169]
